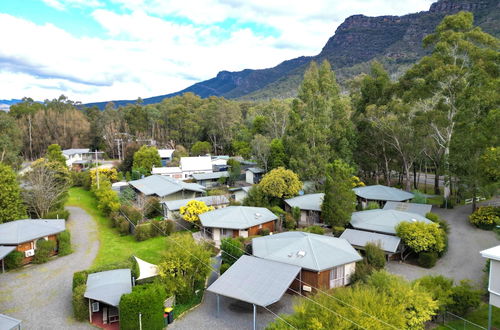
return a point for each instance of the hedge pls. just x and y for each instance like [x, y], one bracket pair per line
[146, 299]
[375, 256]
[144, 231]
[427, 259]
[64, 243]
[80, 278]
[14, 260]
[43, 250]
[57, 214]
[80, 305]
[485, 217]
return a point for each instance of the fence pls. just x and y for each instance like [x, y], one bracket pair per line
[455, 322]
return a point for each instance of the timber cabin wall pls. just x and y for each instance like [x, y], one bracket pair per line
[23, 247]
[255, 229]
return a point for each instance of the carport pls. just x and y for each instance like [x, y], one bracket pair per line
[4, 251]
[256, 281]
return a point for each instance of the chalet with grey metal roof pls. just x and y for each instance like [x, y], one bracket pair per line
[309, 205]
[383, 221]
[381, 194]
[359, 238]
[166, 188]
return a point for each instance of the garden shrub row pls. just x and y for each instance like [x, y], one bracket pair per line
[64, 243]
[14, 260]
[148, 300]
[43, 251]
[486, 217]
[153, 228]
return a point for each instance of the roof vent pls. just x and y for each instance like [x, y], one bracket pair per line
[414, 220]
[301, 254]
[258, 215]
[290, 255]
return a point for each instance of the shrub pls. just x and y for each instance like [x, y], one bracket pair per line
[465, 297]
[363, 270]
[437, 219]
[224, 267]
[447, 204]
[264, 231]
[296, 213]
[485, 217]
[439, 287]
[123, 226]
[432, 217]
[232, 250]
[148, 299]
[337, 231]
[314, 230]
[57, 214]
[418, 198]
[290, 222]
[133, 214]
[375, 256]
[81, 179]
[154, 208]
[64, 243]
[427, 259]
[421, 236]
[80, 305]
[43, 251]
[372, 206]
[144, 231]
[164, 227]
[14, 260]
[79, 278]
[278, 211]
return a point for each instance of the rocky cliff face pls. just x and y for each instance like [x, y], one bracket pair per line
[394, 40]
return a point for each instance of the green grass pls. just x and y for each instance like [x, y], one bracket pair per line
[478, 316]
[115, 248]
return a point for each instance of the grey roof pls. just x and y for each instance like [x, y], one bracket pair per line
[421, 209]
[109, 286]
[20, 231]
[209, 200]
[8, 323]
[163, 185]
[383, 221]
[245, 189]
[69, 152]
[360, 238]
[309, 251]
[210, 176]
[5, 250]
[307, 202]
[256, 170]
[382, 193]
[255, 281]
[491, 253]
[237, 217]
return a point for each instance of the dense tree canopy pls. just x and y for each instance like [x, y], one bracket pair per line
[11, 203]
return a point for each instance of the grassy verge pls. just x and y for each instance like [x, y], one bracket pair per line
[113, 247]
[478, 316]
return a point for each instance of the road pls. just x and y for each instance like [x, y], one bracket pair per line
[40, 295]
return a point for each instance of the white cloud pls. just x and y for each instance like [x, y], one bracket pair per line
[144, 55]
[63, 4]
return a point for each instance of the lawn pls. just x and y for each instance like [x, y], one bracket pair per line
[115, 248]
[478, 316]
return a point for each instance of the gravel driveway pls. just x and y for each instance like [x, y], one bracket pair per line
[40, 295]
[462, 261]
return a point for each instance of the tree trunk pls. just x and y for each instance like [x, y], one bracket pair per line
[407, 169]
[437, 191]
[473, 198]
[415, 185]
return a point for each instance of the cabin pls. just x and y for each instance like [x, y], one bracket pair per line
[253, 175]
[104, 291]
[238, 194]
[210, 180]
[391, 245]
[236, 221]
[171, 208]
[326, 262]
[381, 194]
[191, 165]
[23, 235]
[166, 156]
[383, 221]
[166, 188]
[310, 208]
[174, 172]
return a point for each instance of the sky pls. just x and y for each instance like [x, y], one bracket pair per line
[101, 50]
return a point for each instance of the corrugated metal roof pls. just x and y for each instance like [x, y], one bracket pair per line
[70, 152]
[163, 185]
[20, 231]
[255, 281]
[5, 250]
[109, 286]
[382, 193]
[208, 200]
[202, 163]
[8, 323]
[383, 221]
[492, 253]
[307, 202]
[256, 170]
[165, 153]
[421, 209]
[237, 217]
[165, 170]
[360, 238]
[309, 251]
[210, 176]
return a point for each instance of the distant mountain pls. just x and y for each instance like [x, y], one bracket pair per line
[396, 41]
[5, 104]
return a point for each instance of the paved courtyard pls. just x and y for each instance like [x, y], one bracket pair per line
[40, 295]
[462, 261]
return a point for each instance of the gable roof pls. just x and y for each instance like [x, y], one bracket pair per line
[383, 221]
[208, 200]
[109, 286]
[163, 185]
[70, 152]
[237, 217]
[20, 231]
[421, 209]
[491, 253]
[5, 250]
[210, 176]
[255, 170]
[255, 281]
[202, 163]
[310, 202]
[306, 250]
[360, 238]
[382, 193]
[165, 153]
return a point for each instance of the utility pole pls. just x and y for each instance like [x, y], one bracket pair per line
[119, 146]
[96, 169]
[140, 321]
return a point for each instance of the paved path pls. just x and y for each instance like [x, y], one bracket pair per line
[234, 314]
[40, 295]
[462, 260]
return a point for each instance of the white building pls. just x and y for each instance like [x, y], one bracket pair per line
[166, 156]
